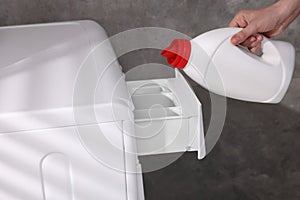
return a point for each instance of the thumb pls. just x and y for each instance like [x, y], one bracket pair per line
[241, 36]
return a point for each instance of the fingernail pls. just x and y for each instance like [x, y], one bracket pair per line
[235, 40]
[253, 39]
[259, 37]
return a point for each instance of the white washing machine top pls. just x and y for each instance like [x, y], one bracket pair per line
[73, 123]
[50, 72]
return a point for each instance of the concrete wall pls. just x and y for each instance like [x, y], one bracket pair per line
[257, 154]
[187, 16]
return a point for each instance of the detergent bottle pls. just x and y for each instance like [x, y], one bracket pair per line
[213, 62]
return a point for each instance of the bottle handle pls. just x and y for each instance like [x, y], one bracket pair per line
[270, 53]
[250, 77]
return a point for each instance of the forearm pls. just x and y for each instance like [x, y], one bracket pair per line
[289, 9]
[269, 21]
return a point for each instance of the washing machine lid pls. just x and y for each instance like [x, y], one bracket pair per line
[59, 74]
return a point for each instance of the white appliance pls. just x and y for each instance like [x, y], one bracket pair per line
[72, 128]
[212, 61]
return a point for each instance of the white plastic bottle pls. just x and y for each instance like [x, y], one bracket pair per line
[213, 62]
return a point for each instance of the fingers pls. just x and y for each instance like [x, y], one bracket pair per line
[242, 36]
[253, 43]
[256, 48]
[259, 37]
[233, 23]
[238, 23]
[239, 20]
[246, 37]
[249, 41]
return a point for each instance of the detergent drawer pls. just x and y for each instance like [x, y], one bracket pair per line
[167, 115]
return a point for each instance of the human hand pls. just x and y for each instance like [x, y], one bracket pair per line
[269, 21]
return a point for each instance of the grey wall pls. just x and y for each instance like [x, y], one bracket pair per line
[257, 154]
[190, 17]
[187, 16]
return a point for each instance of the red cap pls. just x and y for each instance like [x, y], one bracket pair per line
[178, 53]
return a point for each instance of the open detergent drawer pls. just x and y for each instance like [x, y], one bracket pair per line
[167, 115]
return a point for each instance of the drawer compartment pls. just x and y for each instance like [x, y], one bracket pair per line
[147, 101]
[167, 115]
[157, 112]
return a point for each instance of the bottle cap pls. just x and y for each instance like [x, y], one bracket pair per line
[178, 53]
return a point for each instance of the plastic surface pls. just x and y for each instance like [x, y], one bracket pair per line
[54, 139]
[64, 143]
[48, 70]
[178, 53]
[234, 72]
[54, 164]
[168, 116]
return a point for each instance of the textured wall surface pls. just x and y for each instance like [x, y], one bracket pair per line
[257, 156]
